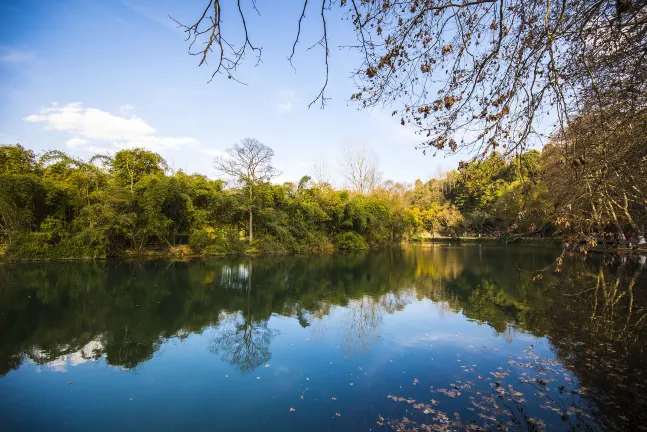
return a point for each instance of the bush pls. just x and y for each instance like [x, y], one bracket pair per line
[318, 242]
[268, 244]
[216, 241]
[350, 241]
[39, 245]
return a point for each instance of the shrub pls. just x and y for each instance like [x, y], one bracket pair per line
[216, 241]
[350, 241]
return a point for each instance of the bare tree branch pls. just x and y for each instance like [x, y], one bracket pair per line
[296, 40]
[229, 57]
[324, 42]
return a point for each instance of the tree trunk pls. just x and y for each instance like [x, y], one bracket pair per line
[250, 226]
[251, 200]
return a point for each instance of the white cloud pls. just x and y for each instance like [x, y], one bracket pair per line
[14, 56]
[91, 124]
[76, 142]
[125, 109]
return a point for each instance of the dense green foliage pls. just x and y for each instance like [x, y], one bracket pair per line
[490, 196]
[56, 206]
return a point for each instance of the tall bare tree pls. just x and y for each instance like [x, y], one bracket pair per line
[321, 172]
[250, 163]
[359, 166]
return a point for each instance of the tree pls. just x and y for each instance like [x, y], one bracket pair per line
[250, 163]
[472, 74]
[166, 206]
[78, 178]
[592, 187]
[129, 166]
[15, 159]
[321, 172]
[22, 204]
[359, 168]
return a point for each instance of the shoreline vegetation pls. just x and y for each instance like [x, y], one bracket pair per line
[184, 252]
[130, 204]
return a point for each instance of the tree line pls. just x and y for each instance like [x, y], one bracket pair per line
[58, 206]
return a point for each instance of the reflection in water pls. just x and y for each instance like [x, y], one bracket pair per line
[91, 351]
[362, 317]
[244, 343]
[594, 312]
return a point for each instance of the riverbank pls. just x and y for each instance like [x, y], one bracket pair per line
[640, 250]
[175, 253]
[599, 249]
[491, 240]
[185, 252]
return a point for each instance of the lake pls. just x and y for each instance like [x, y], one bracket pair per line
[431, 337]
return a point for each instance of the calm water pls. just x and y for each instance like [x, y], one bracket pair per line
[419, 338]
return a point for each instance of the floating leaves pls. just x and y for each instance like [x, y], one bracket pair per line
[451, 393]
[493, 398]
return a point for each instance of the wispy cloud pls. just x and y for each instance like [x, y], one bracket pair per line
[286, 100]
[126, 109]
[284, 107]
[11, 56]
[90, 125]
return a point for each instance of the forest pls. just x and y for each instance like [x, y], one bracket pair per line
[56, 206]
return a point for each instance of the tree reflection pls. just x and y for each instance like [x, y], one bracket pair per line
[245, 345]
[245, 341]
[362, 318]
[594, 312]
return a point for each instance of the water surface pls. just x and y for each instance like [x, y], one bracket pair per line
[420, 338]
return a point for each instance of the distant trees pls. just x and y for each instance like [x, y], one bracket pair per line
[493, 195]
[359, 166]
[321, 172]
[250, 163]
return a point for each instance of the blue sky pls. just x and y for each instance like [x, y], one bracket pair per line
[87, 76]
